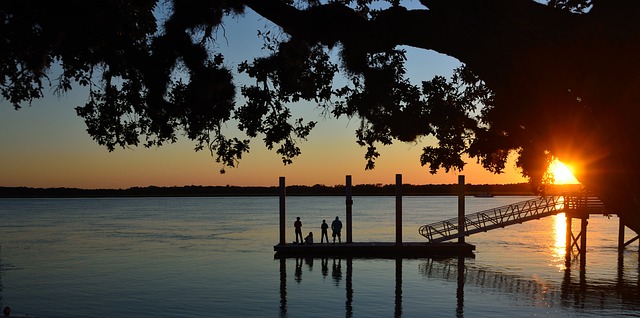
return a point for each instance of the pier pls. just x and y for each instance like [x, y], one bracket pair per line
[440, 234]
[396, 249]
[375, 249]
[574, 206]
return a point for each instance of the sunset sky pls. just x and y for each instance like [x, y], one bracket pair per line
[46, 145]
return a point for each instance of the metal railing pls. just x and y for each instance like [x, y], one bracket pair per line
[493, 218]
[584, 205]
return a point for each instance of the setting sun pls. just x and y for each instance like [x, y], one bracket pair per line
[562, 173]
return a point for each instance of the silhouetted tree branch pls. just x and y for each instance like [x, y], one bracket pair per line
[544, 81]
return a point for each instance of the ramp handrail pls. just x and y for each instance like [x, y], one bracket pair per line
[493, 218]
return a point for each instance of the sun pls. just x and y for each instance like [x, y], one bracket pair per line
[562, 174]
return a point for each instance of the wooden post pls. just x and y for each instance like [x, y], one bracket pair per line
[569, 240]
[283, 209]
[621, 244]
[583, 241]
[398, 209]
[461, 209]
[349, 203]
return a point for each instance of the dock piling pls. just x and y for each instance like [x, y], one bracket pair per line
[283, 214]
[394, 250]
[461, 209]
[349, 204]
[568, 239]
[583, 240]
[398, 209]
[621, 226]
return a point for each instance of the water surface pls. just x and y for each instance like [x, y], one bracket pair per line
[213, 257]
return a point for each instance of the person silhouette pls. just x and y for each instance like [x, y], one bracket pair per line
[309, 239]
[298, 226]
[324, 226]
[336, 227]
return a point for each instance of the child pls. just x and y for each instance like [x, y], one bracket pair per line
[309, 238]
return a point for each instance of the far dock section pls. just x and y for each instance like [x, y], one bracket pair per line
[397, 249]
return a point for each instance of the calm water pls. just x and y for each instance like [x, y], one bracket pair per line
[213, 257]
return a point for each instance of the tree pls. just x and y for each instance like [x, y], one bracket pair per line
[553, 80]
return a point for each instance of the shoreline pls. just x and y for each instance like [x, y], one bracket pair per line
[519, 189]
[477, 190]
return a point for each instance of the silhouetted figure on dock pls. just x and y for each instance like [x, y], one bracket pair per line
[298, 226]
[6, 311]
[324, 234]
[336, 227]
[309, 239]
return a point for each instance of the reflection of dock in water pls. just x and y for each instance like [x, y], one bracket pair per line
[572, 292]
[1, 287]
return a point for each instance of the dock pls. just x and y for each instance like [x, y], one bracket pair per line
[375, 250]
[396, 249]
[574, 206]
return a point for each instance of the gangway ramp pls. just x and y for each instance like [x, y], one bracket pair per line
[493, 218]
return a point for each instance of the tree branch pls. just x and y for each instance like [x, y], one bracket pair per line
[333, 23]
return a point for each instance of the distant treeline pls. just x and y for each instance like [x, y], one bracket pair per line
[362, 189]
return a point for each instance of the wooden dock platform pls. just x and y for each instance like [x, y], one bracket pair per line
[375, 249]
[396, 249]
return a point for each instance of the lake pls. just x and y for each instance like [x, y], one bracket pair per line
[213, 257]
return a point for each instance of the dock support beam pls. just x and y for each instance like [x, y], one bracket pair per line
[398, 209]
[568, 240]
[620, 234]
[461, 209]
[579, 241]
[621, 242]
[349, 203]
[283, 209]
[583, 241]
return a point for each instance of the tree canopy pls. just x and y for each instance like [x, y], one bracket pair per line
[543, 80]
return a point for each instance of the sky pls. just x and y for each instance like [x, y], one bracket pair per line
[46, 144]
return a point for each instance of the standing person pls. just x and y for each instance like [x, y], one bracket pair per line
[324, 234]
[336, 227]
[298, 226]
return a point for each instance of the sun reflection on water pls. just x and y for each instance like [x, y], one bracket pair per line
[559, 232]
